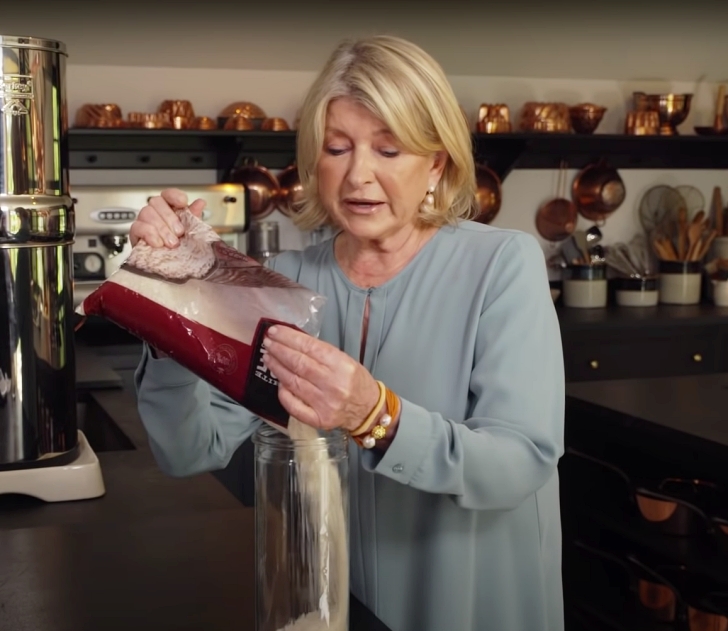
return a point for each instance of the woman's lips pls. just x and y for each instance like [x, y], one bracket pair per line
[362, 206]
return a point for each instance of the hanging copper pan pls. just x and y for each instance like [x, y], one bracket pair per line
[489, 193]
[263, 188]
[597, 191]
[290, 193]
[556, 219]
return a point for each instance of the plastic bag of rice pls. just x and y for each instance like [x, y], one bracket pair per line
[207, 306]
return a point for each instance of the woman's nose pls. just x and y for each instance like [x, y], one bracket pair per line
[361, 169]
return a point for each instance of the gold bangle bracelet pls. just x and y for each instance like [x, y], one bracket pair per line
[374, 413]
[379, 431]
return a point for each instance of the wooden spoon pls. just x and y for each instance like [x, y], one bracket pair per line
[682, 232]
[695, 231]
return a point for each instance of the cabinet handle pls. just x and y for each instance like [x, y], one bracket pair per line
[697, 357]
[594, 364]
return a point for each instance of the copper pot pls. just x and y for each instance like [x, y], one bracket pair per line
[290, 194]
[489, 193]
[262, 187]
[597, 191]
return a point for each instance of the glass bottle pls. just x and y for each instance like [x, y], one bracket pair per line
[301, 530]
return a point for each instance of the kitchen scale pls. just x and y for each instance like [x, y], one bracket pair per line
[79, 479]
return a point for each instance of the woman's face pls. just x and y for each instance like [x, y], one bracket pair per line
[371, 187]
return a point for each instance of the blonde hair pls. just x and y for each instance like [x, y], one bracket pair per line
[407, 89]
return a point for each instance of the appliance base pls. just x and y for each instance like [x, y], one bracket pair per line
[77, 480]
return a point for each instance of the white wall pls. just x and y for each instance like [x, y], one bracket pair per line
[280, 92]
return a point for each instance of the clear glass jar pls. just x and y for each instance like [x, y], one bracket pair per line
[301, 530]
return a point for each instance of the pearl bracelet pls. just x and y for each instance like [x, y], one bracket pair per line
[379, 431]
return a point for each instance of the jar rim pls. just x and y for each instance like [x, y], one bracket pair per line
[269, 436]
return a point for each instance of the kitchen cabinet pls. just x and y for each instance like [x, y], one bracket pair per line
[667, 435]
[222, 150]
[625, 343]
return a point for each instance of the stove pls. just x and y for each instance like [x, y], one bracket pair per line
[104, 215]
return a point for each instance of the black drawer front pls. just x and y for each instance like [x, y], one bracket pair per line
[617, 357]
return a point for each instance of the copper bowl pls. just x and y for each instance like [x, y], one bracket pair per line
[672, 109]
[274, 124]
[238, 123]
[244, 109]
[585, 117]
[204, 123]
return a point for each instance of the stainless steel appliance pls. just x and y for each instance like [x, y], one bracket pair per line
[38, 425]
[104, 215]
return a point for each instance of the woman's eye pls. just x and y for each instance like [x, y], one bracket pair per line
[335, 151]
[389, 153]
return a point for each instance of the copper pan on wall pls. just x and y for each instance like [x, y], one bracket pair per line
[597, 191]
[489, 193]
[290, 194]
[262, 185]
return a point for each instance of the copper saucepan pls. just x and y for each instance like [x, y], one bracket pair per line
[665, 507]
[489, 193]
[598, 190]
[290, 194]
[556, 219]
[671, 593]
[262, 186]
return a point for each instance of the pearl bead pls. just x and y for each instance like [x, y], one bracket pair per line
[386, 420]
[430, 199]
[368, 442]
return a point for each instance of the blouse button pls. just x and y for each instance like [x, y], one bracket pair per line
[398, 468]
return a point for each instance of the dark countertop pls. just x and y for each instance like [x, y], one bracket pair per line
[684, 420]
[155, 553]
[640, 317]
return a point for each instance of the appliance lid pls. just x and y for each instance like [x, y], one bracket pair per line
[37, 43]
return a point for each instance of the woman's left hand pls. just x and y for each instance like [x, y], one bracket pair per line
[318, 384]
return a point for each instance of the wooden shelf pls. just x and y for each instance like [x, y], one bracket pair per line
[222, 150]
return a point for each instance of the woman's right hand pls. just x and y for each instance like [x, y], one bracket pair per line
[157, 223]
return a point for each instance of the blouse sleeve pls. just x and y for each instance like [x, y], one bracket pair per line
[192, 427]
[510, 445]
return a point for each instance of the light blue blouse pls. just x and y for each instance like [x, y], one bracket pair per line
[457, 526]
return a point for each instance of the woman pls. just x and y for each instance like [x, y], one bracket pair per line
[455, 511]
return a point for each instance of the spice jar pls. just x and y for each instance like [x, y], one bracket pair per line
[680, 282]
[301, 530]
[585, 286]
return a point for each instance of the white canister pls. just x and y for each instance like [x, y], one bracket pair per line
[720, 248]
[636, 292]
[585, 286]
[680, 282]
[720, 292]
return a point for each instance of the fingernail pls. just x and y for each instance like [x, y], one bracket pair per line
[273, 331]
[179, 229]
[172, 240]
